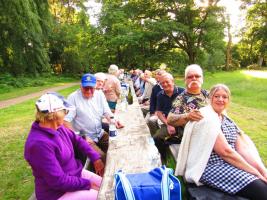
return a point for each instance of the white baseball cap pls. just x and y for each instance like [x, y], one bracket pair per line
[52, 102]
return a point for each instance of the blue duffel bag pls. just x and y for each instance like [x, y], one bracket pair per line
[158, 184]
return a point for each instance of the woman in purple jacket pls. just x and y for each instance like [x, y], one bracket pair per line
[50, 150]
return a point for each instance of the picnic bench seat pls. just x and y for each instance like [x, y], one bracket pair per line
[202, 192]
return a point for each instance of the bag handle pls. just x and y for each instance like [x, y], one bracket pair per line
[165, 183]
[127, 189]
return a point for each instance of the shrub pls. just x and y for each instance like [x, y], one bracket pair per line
[254, 67]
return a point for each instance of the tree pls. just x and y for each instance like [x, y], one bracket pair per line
[253, 45]
[24, 27]
[154, 31]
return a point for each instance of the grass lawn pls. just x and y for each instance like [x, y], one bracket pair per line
[33, 85]
[248, 106]
[16, 179]
[248, 110]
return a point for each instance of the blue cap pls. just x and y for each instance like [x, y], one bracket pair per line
[88, 80]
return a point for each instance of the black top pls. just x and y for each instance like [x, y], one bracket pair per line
[164, 102]
[153, 98]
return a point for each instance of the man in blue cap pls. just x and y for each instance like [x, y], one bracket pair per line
[91, 106]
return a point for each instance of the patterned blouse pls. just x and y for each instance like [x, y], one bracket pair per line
[220, 174]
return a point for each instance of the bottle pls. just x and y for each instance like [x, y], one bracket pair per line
[112, 127]
[130, 98]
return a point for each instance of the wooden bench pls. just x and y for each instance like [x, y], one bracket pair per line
[202, 192]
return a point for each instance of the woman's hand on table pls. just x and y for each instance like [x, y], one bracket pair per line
[99, 167]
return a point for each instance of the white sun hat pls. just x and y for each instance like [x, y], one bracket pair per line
[52, 102]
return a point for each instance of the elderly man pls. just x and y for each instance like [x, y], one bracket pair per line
[91, 106]
[185, 106]
[151, 117]
[164, 105]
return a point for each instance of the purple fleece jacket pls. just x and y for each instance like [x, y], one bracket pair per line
[51, 156]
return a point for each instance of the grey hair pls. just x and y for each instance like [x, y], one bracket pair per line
[217, 87]
[113, 69]
[193, 67]
[168, 75]
[100, 76]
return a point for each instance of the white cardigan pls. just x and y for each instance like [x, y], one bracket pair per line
[197, 145]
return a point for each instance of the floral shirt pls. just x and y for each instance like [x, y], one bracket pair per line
[186, 102]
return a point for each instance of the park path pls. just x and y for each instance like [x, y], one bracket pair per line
[9, 102]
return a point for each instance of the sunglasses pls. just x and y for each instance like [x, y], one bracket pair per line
[193, 76]
[88, 88]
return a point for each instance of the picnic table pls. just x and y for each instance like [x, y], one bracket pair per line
[132, 150]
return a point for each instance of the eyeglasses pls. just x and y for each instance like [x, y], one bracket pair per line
[88, 88]
[194, 76]
[218, 97]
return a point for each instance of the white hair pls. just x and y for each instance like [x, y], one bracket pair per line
[113, 69]
[193, 67]
[100, 76]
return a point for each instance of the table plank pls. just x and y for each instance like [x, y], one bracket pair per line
[132, 150]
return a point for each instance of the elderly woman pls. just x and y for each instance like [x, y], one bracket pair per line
[112, 87]
[50, 150]
[100, 80]
[215, 152]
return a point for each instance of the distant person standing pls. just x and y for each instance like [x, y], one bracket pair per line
[112, 87]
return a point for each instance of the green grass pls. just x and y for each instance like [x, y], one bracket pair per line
[16, 179]
[246, 90]
[248, 110]
[248, 107]
[249, 103]
[27, 86]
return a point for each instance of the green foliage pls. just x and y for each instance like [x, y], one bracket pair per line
[252, 47]
[146, 34]
[24, 26]
[254, 67]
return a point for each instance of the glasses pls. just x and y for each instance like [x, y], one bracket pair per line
[88, 88]
[218, 97]
[194, 76]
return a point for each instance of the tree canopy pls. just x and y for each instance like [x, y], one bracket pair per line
[55, 36]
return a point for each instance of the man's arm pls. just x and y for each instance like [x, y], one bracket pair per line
[182, 119]
[177, 119]
[161, 116]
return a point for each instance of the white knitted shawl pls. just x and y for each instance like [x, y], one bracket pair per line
[197, 144]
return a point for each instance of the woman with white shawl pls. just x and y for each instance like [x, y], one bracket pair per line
[216, 153]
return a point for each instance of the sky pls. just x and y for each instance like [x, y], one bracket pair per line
[237, 17]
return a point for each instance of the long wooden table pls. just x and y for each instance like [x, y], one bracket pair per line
[132, 150]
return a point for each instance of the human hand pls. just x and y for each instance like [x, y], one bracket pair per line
[171, 130]
[119, 125]
[99, 167]
[194, 115]
[94, 186]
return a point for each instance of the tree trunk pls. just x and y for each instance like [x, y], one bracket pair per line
[228, 48]
[260, 61]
